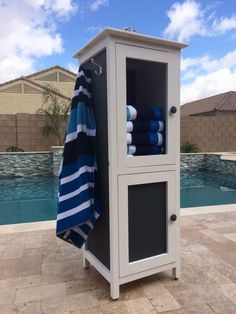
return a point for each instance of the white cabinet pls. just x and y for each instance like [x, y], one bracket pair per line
[147, 234]
[147, 76]
[137, 234]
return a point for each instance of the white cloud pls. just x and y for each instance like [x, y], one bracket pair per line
[187, 63]
[209, 84]
[188, 19]
[60, 7]
[72, 67]
[14, 66]
[209, 63]
[223, 25]
[27, 32]
[205, 76]
[96, 4]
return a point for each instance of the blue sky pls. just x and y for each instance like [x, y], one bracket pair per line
[36, 34]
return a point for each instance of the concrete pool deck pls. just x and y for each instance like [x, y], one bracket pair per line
[42, 274]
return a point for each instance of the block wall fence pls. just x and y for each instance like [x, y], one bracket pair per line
[24, 130]
[210, 134]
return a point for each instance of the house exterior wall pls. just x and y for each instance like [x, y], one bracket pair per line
[19, 103]
[66, 88]
[210, 134]
[13, 103]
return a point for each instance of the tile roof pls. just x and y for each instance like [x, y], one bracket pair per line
[49, 69]
[221, 102]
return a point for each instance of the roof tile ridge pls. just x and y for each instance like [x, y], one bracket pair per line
[227, 95]
[50, 69]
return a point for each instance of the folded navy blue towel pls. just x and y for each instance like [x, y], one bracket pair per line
[145, 138]
[144, 113]
[140, 126]
[144, 150]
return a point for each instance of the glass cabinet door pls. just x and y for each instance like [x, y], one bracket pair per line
[147, 96]
[146, 232]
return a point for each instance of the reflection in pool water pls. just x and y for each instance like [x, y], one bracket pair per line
[202, 188]
[28, 199]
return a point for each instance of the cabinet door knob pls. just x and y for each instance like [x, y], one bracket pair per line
[173, 109]
[173, 217]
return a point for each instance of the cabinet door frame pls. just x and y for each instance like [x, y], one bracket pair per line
[124, 181]
[172, 60]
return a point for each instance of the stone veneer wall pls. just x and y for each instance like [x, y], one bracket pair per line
[192, 161]
[216, 164]
[47, 163]
[26, 164]
[209, 162]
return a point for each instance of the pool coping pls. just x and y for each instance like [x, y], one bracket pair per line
[188, 211]
[51, 224]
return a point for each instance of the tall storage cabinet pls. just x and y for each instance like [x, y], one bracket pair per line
[137, 234]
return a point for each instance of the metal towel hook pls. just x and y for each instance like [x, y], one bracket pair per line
[99, 71]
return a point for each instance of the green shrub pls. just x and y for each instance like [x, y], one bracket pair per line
[55, 110]
[188, 147]
[14, 149]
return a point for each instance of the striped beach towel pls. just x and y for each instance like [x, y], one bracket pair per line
[78, 206]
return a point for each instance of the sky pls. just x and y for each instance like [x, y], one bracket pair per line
[37, 34]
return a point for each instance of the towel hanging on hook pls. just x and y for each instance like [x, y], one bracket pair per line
[99, 71]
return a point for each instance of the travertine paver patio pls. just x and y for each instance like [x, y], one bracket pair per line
[41, 274]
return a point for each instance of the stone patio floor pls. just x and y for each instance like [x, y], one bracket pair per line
[41, 274]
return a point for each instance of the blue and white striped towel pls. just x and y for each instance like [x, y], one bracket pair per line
[78, 206]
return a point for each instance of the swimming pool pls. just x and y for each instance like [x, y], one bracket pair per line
[35, 199]
[203, 188]
[27, 199]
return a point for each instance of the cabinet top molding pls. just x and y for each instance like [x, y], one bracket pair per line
[133, 36]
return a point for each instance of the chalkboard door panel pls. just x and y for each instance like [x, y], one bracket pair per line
[146, 232]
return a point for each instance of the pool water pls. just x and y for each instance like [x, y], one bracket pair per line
[204, 188]
[35, 199]
[28, 199]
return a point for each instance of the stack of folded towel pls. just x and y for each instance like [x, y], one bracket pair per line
[145, 130]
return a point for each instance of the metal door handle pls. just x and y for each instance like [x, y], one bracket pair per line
[173, 217]
[173, 109]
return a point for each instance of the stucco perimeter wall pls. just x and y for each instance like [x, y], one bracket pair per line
[25, 131]
[210, 134]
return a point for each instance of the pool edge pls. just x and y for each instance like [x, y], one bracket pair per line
[27, 227]
[51, 224]
[188, 211]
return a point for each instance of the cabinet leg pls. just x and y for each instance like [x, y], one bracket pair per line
[86, 263]
[115, 291]
[176, 272]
